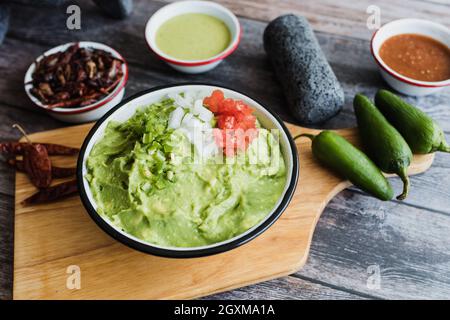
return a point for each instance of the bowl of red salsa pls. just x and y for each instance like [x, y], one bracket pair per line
[413, 55]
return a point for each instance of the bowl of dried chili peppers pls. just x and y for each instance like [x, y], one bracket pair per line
[77, 82]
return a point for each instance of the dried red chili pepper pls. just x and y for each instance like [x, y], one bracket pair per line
[37, 165]
[57, 172]
[57, 149]
[36, 162]
[53, 193]
[60, 172]
[16, 148]
[18, 164]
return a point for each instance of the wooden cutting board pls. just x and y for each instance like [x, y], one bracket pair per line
[52, 238]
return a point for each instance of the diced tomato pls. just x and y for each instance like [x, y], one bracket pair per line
[242, 107]
[231, 140]
[226, 122]
[227, 106]
[245, 121]
[235, 121]
[250, 122]
[214, 100]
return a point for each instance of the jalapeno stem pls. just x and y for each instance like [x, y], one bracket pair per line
[444, 147]
[308, 135]
[405, 179]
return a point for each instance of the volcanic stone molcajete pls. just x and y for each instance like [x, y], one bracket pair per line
[309, 84]
[4, 21]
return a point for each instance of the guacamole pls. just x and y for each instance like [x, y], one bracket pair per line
[193, 36]
[145, 180]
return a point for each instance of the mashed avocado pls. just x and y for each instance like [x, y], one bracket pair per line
[144, 181]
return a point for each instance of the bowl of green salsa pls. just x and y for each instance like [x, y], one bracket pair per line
[193, 36]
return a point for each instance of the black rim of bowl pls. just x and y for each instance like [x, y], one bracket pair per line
[185, 253]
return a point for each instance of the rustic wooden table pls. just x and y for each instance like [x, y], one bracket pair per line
[362, 248]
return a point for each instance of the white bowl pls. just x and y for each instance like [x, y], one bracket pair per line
[397, 81]
[126, 109]
[175, 9]
[90, 112]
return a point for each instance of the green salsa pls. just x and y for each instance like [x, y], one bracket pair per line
[193, 36]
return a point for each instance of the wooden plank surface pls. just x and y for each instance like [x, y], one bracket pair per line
[347, 18]
[344, 38]
[287, 288]
[401, 236]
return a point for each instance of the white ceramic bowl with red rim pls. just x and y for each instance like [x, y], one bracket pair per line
[400, 82]
[183, 7]
[90, 112]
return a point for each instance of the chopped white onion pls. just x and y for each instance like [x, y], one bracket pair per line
[204, 114]
[172, 95]
[194, 121]
[189, 98]
[186, 120]
[195, 106]
[175, 118]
